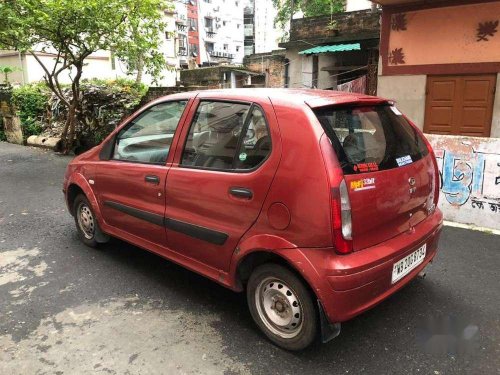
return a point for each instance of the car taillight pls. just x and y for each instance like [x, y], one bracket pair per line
[342, 221]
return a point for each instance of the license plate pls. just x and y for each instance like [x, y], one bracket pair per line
[408, 263]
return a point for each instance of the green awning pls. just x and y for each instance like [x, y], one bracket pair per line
[334, 48]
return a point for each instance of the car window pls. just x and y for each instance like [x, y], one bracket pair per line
[214, 135]
[256, 145]
[147, 138]
[371, 138]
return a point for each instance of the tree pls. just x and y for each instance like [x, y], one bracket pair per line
[310, 8]
[72, 30]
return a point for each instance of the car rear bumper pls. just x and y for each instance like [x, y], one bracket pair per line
[359, 281]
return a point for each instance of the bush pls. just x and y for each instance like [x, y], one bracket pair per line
[105, 104]
[2, 132]
[31, 102]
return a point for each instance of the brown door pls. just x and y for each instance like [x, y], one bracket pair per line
[460, 105]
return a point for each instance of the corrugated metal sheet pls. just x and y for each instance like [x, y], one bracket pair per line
[333, 48]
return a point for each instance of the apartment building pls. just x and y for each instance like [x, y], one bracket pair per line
[220, 31]
[261, 34]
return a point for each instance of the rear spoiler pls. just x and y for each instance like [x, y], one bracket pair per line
[349, 99]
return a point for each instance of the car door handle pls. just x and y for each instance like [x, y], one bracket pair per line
[152, 179]
[240, 192]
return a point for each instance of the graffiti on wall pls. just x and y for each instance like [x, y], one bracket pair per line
[470, 172]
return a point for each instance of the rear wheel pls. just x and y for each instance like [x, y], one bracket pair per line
[282, 307]
[86, 222]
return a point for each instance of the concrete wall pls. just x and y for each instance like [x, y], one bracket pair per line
[359, 25]
[294, 68]
[12, 59]
[447, 35]
[325, 79]
[495, 122]
[470, 179]
[272, 64]
[408, 92]
[353, 5]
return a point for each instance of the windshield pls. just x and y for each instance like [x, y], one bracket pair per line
[371, 138]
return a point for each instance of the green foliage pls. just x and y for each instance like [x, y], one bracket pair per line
[310, 8]
[104, 105]
[3, 138]
[5, 70]
[118, 85]
[31, 104]
[74, 29]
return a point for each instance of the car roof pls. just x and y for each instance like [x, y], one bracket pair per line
[312, 97]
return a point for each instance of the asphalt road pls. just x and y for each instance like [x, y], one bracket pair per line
[66, 308]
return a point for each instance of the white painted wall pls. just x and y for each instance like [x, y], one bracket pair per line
[325, 79]
[353, 5]
[17, 61]
[408, 92]
[306, 76]
[470, 175]
[294, 68]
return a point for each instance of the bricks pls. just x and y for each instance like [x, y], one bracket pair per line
[272, 64]
[338, 27]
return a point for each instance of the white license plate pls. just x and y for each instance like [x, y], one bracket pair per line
[408, 263]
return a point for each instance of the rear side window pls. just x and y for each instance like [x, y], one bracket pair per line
[371, 138]
[227, 136]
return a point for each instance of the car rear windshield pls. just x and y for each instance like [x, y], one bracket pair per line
[371, 138]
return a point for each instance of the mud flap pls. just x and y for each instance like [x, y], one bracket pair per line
[100, 236]
[328, 331]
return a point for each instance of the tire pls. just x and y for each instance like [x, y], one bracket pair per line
[86, 222]
[282, 307]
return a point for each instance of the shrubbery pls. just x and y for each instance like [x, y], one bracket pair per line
[31, 103]
[105, 103]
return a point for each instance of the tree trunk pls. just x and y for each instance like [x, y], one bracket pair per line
[140, 70]
[68, 133]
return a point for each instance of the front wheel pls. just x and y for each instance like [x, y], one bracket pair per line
[86, 223]
[282, 307]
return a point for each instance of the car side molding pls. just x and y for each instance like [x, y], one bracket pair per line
[135, 212]
[192, 230]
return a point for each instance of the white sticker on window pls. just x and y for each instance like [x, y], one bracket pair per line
[404, 160]
[396, 111]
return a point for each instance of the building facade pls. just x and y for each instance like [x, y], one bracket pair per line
[440, 62]
[220, 31]
[261, 34]
[197, 33]
[324, 52]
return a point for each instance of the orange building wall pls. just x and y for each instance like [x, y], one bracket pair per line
[447, 35]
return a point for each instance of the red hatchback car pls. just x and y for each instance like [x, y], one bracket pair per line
[319, 204]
